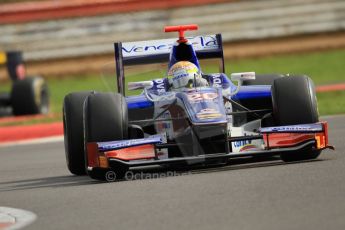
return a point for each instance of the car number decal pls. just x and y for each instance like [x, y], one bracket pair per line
[197, 97]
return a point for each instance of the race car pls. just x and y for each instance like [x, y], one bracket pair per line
[188, 117]
[29, 94]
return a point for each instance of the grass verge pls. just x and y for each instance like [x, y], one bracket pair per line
[324, 67]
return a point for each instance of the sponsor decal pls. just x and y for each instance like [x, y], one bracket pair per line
[197, 97]
[165, 45]
[294, 128]
[217, 81]
[208, 113]
[180, 74]
[239, 144]
[141, 49]
[160, 85]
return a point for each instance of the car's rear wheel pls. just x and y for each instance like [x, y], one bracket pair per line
[105, 119]
[73, 131]
[30, 96]
[294, 102]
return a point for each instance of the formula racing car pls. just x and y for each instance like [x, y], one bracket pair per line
[29, 94]
[189, 117]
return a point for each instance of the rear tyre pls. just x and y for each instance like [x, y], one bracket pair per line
[294, 102]
[30, 96]
[73, 131]
[105, 119]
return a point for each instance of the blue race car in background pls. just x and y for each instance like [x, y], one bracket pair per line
[208, 119]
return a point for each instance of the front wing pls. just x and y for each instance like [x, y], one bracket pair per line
[145, 151]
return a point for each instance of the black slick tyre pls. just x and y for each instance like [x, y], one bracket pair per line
[30, 96]
[105, 119]
[73, 132]
[294, 102]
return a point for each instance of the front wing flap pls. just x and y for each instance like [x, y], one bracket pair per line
[142, 152]
[292, 135]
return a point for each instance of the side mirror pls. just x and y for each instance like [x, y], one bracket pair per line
[243, 76]
[240, 77]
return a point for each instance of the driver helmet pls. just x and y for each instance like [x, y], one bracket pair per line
[183, 74]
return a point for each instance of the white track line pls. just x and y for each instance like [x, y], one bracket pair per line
[13, 218]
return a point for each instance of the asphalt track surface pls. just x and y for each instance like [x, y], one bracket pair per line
[244, 195]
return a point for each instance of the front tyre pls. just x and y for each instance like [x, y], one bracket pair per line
[73, 131]
[294, 102]
[105, 119]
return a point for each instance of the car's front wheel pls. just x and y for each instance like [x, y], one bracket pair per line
[105, 119]
[294, 102]
[73, 131]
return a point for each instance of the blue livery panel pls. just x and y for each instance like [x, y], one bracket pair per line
[204, 105]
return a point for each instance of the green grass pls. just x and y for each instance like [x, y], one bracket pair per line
[325, 67]
[59, 87]
[331, 103]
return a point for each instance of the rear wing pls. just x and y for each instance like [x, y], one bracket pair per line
[158, 51]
